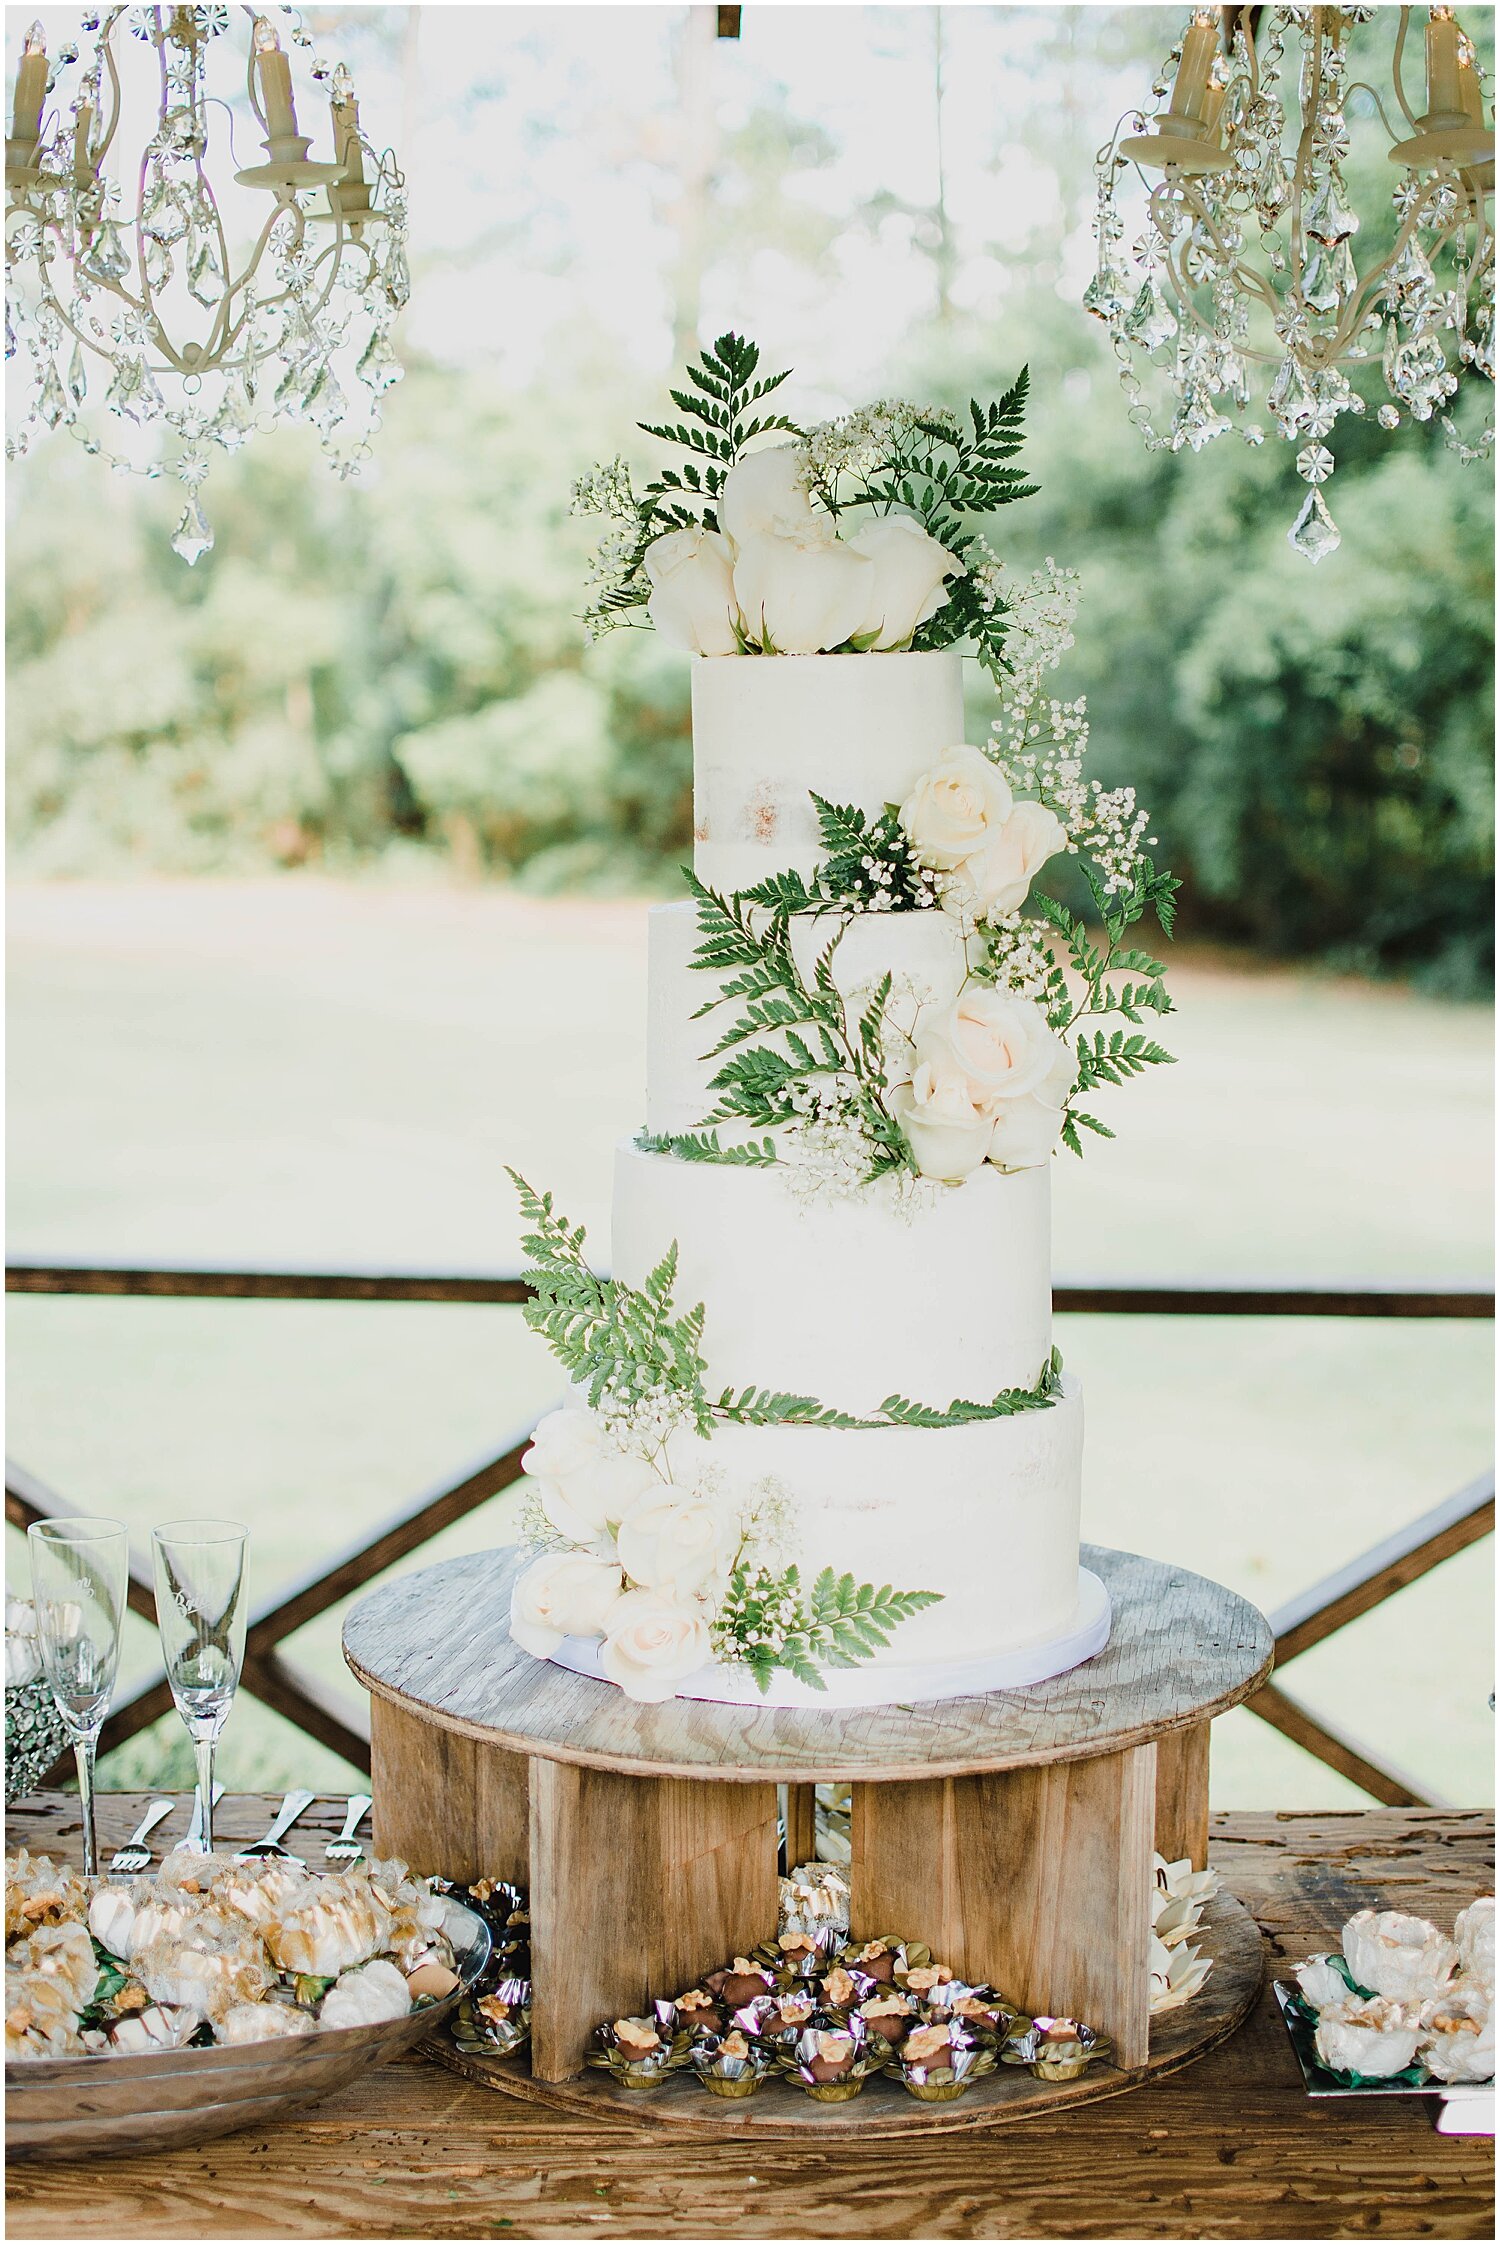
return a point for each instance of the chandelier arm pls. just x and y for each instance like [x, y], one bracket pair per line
[106, 52]
[1363, 86]
[1369, 288]
[1406, 108]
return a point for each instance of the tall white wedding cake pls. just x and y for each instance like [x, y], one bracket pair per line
[819, 1448]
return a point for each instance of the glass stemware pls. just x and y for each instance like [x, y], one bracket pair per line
[79, 1572]
[200, 1612]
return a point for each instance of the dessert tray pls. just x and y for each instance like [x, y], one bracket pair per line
[157, 2099]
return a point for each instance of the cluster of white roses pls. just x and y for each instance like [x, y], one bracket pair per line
[776, 578]
[1431, 1999]
[988, 1077]
[646, 1560]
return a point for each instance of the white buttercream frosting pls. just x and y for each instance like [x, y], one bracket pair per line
[853, 1299]
[852, 728]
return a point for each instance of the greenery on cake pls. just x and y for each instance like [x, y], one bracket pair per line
[768, 1621]
[855, 535]
[638, 1540]
[639, 1360]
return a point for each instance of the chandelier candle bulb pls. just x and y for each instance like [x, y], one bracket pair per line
[1200, 46]
[31, 89]
[275, 72]
[1470, 91]
[1444, 84]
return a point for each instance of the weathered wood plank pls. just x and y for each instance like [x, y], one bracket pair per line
[447, 1805]
[1182, 1651]
[1228, 2149]
[1182, 1794]
[637, 1885]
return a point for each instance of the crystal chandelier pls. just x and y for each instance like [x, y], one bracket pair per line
[1244, 268]
[133, 323]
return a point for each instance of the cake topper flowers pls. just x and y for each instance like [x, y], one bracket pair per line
[855, 536]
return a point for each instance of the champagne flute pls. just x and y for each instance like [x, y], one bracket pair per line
[200, 1612]
[79, 1572]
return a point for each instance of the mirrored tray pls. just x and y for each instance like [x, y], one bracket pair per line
[1319, 2082]
[75, 2108]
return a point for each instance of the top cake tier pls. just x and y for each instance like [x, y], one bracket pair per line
[770, 731]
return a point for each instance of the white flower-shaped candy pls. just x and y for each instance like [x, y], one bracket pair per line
[1475, 1934]
[1321, 1982]
[1367, 2035]
[366, 1996]
[1176, 1974]
[1458, 2034]
[112, 1916]
[1397, 1956]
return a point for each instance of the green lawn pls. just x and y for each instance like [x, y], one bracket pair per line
[334, 1074]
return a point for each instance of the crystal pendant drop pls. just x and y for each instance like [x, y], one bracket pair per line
[10, 335]
[1326, 215]
[1314, 533]
[164, 218]
[1150, 323]
[52, 401]
[77, 379]
[205, 281]
[109, 259]
[378, 365]
[123, 390]
[194, 536]
[326, 404]
[1290, 402]
[1105, 295]
[397, 277]
[234, 423]
[158, 264]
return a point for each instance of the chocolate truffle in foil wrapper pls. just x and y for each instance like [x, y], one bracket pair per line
[1054, 2049]
[740, 1982]
[831, 2064]
[876, 1961]
[939, 2061]
[779, 2018]
[497, 2022]
[986, 2014]
[640, 2053]
[798, 1956]
[702, 2012]
[731, 2065]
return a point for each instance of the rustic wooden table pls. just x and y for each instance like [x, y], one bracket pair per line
[1229, 2148]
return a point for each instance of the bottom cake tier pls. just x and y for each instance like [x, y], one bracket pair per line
[986, 1515]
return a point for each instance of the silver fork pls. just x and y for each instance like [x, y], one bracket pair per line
[286, 1816]
[346, 1848]
[135, 1855]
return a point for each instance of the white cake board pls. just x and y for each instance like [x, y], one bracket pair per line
[887, 1683]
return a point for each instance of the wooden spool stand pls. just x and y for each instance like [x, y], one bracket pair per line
[1012, 1833]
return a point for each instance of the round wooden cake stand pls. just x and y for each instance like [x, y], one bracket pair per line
[1012, 1833]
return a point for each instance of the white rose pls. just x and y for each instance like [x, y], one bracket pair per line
[802, 595]
[956, 808]
[112, 1917]
[910, 573]
[563, 1594]
[948, 1135]
[670, 1542]
[692, 599]
[995, 880]
[1027, 1129]
[999, 1045]
[651, 1643]
[1398, 1956]
[582, 1485]
[765, 491]
[1360, 2036]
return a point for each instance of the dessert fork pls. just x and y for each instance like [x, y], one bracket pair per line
[346, 1848]
[286, 1816]
[135, 1855]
